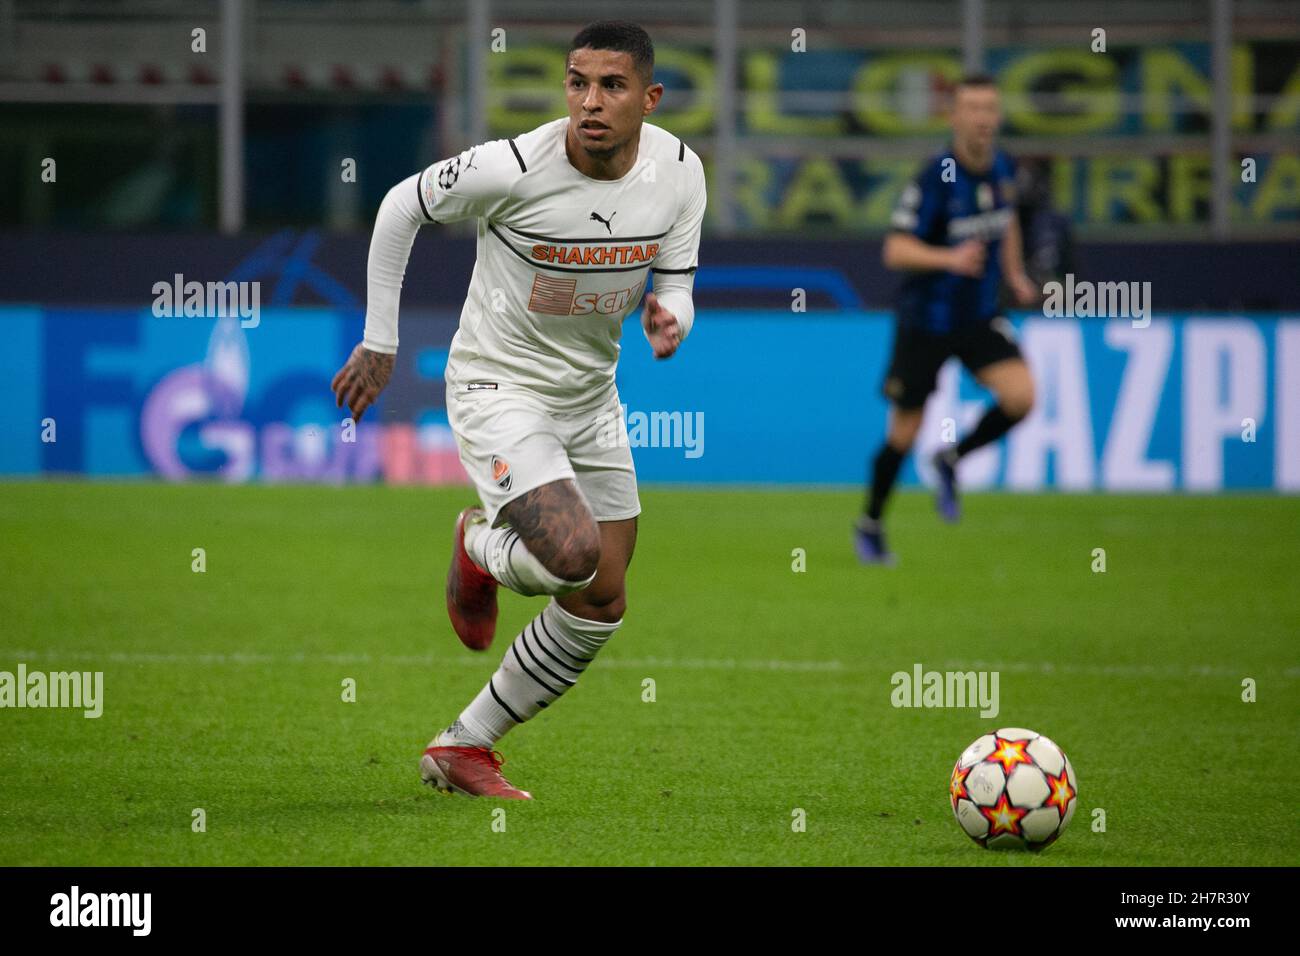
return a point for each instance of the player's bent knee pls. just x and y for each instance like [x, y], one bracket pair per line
[607, 607]
[1019, 403]
[555, 577]
[576, 563]
[903, 431]
[613, 611]
[565, 574]
[902, 443]
[564, 586]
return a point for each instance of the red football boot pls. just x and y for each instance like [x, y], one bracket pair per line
[471, 593]
[473, 771]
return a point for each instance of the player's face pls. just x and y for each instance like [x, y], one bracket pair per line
[606, 99]
[976, 116]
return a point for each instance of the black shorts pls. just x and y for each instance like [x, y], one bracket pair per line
[918, 356]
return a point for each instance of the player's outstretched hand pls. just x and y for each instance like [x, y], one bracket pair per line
[661, 327]
[967, 258]
[361, 379]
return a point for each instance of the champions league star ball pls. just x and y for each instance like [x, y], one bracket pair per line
[1013, 789]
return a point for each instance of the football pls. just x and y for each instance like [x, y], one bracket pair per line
[1013, 789]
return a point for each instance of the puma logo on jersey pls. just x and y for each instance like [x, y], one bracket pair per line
[501, 473]
[598, 218]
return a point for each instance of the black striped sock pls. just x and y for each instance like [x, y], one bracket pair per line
[541, 664]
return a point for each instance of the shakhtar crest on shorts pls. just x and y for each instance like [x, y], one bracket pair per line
[501, 473]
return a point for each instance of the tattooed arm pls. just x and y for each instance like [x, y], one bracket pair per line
[443, 192]
[367, 370]
[361, 379]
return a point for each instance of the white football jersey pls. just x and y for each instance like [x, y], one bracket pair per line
[562, 258]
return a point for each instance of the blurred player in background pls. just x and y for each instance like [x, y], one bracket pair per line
[1045, 231]
[956, 235]
[572, 219]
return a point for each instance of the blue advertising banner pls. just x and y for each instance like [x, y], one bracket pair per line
[1186, 402]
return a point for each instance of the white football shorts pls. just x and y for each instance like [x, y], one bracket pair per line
[511, 443]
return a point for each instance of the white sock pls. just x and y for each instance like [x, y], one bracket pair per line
[475, 526]
[503, 554]
[543, 662]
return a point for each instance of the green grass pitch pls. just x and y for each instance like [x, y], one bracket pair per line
[223, 689]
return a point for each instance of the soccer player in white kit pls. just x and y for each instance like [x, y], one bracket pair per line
[573, 218]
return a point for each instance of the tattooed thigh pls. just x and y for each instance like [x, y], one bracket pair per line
[556, 524]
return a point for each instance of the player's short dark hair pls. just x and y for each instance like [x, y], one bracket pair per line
[976, 81]
[621, 36]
